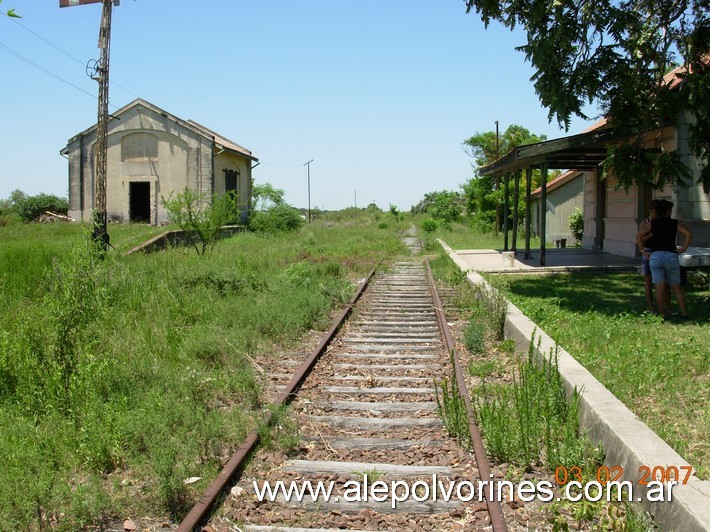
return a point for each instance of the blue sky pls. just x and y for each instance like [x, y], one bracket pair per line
[379, 93]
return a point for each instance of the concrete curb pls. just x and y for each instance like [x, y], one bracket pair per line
[177, 237]
[627, 441]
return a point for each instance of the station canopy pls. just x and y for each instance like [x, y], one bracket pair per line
[584, 151]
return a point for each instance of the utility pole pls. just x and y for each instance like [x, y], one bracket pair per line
[308, 164]
[100, 216]
[356, 198]
[100, 231]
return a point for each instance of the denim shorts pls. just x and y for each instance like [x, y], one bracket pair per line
[665, 267]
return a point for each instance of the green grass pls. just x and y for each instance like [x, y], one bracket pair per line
[464, 236]
[120, 378]
[658, 369]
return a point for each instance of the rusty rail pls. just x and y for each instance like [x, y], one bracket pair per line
[495, 511]
[200, 510]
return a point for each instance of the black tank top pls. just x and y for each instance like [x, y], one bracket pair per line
[664, 234]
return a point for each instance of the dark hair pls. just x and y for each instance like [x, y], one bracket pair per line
[655, 204]
[661, 206]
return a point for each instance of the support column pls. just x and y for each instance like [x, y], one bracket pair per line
[516, 202]
[528, 193]
[543, 212]
[506, 211]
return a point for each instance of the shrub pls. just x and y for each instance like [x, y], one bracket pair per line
[474, 337]
[29, 208]
[429, 225]
[200, 222]
[576, 225]
[276, 219]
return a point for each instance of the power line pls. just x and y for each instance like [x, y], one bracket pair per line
[278, 165]
[70, 56]
[45, 40]
[42, 69]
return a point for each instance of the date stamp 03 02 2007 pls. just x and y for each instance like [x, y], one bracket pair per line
[679, 474]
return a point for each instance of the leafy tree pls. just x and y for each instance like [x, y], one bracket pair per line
[446, 206]
[201, 221]
[484, 195]
[272, 214]
[615, 54]
[264, 196]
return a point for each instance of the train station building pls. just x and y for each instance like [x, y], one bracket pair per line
[153, 154]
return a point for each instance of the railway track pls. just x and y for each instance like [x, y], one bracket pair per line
[367, 416]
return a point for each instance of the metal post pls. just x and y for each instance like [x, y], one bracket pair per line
[506, 211]
[543, 212]
[497, 181]
[528, 193]
[308, 164]
[516, 202]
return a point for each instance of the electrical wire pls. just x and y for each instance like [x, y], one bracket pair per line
[70, 56]
[278, 165]
[42, 69]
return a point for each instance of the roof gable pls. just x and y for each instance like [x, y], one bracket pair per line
[220, 141]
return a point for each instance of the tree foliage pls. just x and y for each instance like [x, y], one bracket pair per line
[446, 206]
[616, 53]
[271, 213]
[265, 196]
[483, 193]
[30, 208]
[279, 218]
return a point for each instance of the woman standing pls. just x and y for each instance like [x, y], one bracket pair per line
[665, 268]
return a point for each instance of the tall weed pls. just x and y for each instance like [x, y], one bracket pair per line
[531, 423]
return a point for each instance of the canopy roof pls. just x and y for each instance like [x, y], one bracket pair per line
[577, 152]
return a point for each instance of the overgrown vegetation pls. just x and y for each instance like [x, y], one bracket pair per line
[469, 234]
[531, 423]
[528, 422]
[271, 213]
[452, 409]
[201, 220]
[445, 207]
[276, 219]
[121, 378]
[30, 208]
[659, 370]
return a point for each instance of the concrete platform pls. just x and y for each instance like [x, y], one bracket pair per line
[556, 259]
[627, 441]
